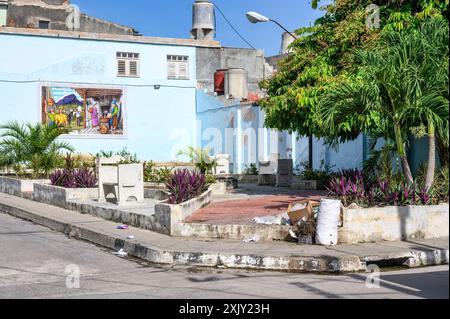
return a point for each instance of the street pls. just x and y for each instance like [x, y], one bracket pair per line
[34, 261]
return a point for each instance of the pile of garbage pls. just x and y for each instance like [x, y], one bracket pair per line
[313, 222]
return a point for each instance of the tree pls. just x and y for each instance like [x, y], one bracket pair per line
[399, 87]
[33, 145]
[324, 55]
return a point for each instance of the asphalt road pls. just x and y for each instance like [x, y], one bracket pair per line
[34, 261]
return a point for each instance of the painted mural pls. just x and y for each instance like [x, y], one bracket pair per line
[84, 111]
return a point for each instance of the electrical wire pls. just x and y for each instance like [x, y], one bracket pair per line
[234, 29]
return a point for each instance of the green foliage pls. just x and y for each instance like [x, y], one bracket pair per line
[251, 169]
[157, 175]
[201, 158]
[440, 189]
[210, 179]
[323, 175]
[313, 93]
[31, 145]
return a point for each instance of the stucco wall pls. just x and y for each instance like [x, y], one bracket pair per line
[158, 123]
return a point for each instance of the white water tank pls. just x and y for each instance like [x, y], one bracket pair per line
[286, 40]
[236, 83]
[203, 20]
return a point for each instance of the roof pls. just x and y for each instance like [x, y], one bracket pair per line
[109, 37]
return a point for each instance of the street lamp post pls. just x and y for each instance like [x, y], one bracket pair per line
[255, 17]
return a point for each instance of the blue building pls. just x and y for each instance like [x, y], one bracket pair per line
[154, 96]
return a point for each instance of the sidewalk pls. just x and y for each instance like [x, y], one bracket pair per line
[283, 256]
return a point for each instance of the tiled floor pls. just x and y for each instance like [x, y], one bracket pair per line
[241, 206]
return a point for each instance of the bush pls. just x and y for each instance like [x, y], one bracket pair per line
[251, 170]
[322, 175]
[184, 186]
[354, 187]
[74, 178]
[154, 175]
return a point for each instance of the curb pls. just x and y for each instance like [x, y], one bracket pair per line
[156, 255]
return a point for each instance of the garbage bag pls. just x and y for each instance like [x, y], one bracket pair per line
[327, 222]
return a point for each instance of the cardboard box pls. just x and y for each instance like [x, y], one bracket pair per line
[296, 215]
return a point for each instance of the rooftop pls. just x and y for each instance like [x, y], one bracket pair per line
[109, 37]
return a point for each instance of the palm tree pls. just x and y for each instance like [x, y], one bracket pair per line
[402, 85]
[200, 157]
[33, 145]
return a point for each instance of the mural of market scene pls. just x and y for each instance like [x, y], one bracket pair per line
[86, 111]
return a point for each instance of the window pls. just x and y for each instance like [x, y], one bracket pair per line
[43, 24]
[127, 64]
[178, 67]
[3, 12]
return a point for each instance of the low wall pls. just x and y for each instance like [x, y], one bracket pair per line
[301, 184]
[59, 196]
[394, 223]
[172, 216]
[219, 188]
[17, 187]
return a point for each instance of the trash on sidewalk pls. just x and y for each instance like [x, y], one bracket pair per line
[282, 219]
[255, 239]
[301, 210]
[123, 227]
[328, 222]
[130, 237]
[121, 253]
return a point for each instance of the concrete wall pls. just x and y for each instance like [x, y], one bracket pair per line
[212, 59]
[158, 123]
[59, 196]
[394, 223]
[21, 14]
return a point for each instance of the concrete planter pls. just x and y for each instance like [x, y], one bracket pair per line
[59, 196]
[301, 184]
[171, 217]
[17, 187]
[247, 179]
[218, 188]
[394, 223]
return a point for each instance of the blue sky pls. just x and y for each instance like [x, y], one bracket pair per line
[173, 18]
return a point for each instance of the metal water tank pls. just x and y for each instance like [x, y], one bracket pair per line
[203, 20]
[219, 81]
[236, 83]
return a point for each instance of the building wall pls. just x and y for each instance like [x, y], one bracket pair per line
[28, 13]
[226, 126]
[158, 123]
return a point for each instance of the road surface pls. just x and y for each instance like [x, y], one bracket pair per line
[34, 261]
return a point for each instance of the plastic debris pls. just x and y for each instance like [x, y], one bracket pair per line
[252, 239]
[293, 235]
[123, 227]
[121, 253]
[130, 237]
[282, 219]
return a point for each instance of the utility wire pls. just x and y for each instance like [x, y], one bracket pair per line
[234, 29]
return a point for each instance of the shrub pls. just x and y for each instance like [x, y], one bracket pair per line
[322, 175]
[74, 178]
[185, 185]
[251, 170]
[155, 175]
[353, 187]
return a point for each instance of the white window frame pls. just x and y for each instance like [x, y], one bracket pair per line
[4, 6]
[175, 64]
[128, 58]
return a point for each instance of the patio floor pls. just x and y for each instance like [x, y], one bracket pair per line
[241, 206]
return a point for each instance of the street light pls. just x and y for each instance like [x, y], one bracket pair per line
[255, 17]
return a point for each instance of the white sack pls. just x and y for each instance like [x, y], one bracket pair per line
[327, 222]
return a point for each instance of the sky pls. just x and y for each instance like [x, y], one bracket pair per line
[173, 18]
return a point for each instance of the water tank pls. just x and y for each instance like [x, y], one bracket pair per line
[286, 40]
[236, 83]
[203, 20]
[219, 81]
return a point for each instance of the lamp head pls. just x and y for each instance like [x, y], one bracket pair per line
[255, 17]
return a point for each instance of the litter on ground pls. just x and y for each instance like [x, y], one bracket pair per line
[123, 227]
[255, 239]
[121, 253]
